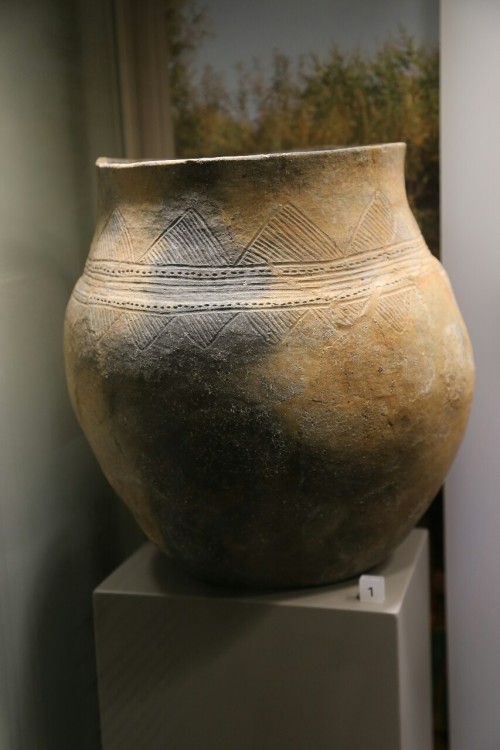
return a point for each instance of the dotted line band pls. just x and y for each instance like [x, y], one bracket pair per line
[410, 265]
[102, 266]
[89, 298]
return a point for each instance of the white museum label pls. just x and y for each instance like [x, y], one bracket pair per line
[372, 589]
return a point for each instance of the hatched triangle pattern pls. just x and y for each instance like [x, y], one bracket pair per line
[393, 308]
[324, 315]
[101, 318]
[204, 328]
[275, 325]
[187, 241]
[145, 328]
[376, 227]
[290, 237]
[347, 313]
[114, 242]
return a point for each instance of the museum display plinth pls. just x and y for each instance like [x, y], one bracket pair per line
[188, 666]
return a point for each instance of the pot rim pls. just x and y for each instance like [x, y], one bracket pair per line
[105, 162]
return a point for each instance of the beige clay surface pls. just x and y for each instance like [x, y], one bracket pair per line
[267, 361]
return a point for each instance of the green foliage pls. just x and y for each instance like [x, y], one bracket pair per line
[344, 99]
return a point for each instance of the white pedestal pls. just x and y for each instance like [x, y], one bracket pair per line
[185, 666]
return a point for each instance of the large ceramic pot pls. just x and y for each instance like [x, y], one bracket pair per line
[267, 361]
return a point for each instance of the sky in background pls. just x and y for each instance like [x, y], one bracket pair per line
[243, 31]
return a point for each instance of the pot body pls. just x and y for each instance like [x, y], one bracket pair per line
[267, 361]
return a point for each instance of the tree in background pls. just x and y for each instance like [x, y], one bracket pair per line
[342, 99]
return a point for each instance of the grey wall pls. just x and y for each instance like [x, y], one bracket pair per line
[60, 527]
[470, 95]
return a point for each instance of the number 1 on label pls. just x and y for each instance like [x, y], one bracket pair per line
[372, 589]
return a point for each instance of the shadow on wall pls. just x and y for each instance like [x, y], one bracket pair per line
[60, 531]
